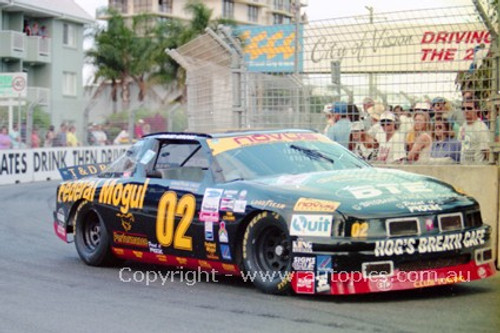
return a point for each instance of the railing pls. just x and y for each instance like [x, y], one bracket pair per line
[39, 95]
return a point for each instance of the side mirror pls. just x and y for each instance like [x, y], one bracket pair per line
[154, 174]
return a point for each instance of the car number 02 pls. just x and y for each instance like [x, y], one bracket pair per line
[168, 209]
[359, 229]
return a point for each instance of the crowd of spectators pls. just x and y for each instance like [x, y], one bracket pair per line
[426, 133]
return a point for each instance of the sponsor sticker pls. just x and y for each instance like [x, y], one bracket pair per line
[322, 283]
[61, 217]
[240, 206]
[324, 263]
[311, 225]
[209, 231]
[225, 252]
[209, 216]
[223, 236]
[227, 204]
[155, 248]
[304, 263]
[315, 205]
[211, 200]
[301, 246]
[211, 250]
[305, 282]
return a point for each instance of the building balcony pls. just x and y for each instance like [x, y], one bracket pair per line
[37, 50]
[39, 95]
[12, 44]
[258, 3]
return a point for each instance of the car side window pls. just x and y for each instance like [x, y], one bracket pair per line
[182, 161]
[126, 164]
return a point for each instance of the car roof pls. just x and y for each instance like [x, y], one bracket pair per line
[221, 134]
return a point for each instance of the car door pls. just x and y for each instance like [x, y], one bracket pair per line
[178, 177]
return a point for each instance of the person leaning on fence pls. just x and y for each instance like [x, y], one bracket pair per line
[5, 141]
[341, 130]
[361, 143]
[445, 148]
[473, 134]
[419, 150]
[391, 142]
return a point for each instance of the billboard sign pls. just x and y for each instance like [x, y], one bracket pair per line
[271, 48]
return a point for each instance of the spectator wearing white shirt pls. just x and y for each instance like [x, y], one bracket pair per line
[391, 142]
[474, 135]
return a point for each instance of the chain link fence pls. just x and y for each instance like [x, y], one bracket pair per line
[403, 62]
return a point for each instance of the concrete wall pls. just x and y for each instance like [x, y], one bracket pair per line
[478, 181]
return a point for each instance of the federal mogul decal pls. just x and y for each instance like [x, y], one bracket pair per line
[430, 244]
[126, 197]
[315, 205]
[80, 189]
[220, 145]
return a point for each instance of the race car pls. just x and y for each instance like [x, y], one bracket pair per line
[289, 210]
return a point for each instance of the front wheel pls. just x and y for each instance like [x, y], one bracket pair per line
[267, 253]
[91, 237]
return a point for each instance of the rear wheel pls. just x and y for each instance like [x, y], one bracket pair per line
[267, 253]
[91, 237]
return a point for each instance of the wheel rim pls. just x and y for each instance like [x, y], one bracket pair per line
[273, 249]
[92, 233]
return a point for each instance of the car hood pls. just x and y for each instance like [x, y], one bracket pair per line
[372, 191]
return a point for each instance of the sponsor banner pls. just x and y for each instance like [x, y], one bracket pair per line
[410, 48]
[311, 225]
[431, 244]
[28, 165]
[271, 48]
[301, 246]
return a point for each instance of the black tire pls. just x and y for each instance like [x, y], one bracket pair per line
[92, 240]
[267, 253]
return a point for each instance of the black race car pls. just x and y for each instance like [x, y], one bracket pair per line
[285, 209]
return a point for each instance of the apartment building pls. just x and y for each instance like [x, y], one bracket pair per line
[44, 39]
[254, 12]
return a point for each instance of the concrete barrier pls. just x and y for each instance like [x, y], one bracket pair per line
[28, 165]
[478, 181]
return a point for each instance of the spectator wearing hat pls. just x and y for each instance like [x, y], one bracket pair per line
[365, 115]
[374, 128]
[341, 130]
[419, 140]
[438, 107]
[361, 143]
[473, 134]
[445, 148]
[391, 142]
[405, 120]
[330, 120]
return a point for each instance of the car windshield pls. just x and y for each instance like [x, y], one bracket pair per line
[279, 158]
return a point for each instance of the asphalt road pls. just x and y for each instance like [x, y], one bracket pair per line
[45, 288]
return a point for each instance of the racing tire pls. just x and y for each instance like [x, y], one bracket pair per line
[267, 253]
[92, 240]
